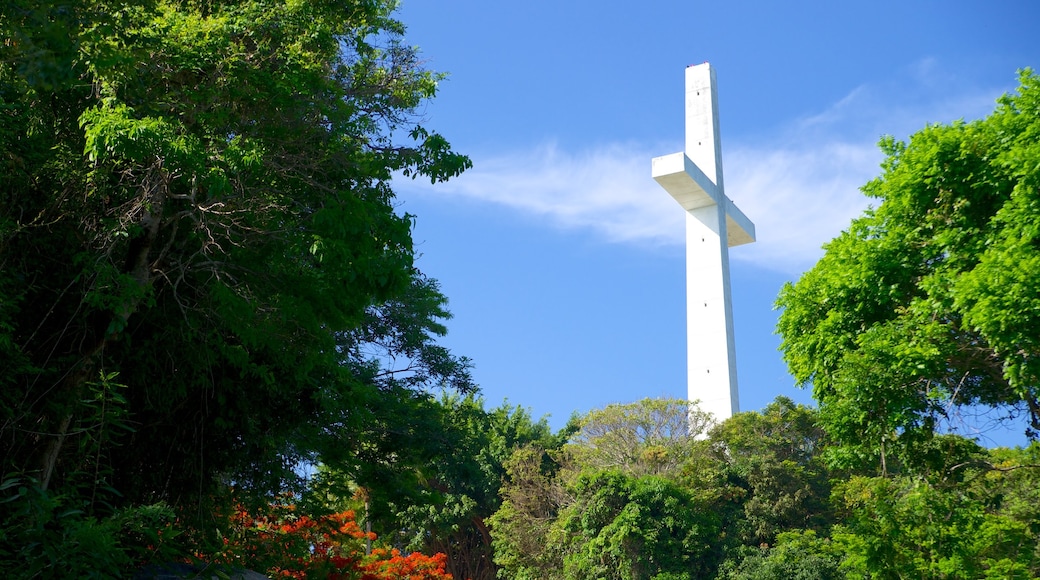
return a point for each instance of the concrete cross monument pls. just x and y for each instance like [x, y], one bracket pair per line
[713, 224]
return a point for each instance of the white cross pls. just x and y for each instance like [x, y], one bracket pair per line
[694, 179]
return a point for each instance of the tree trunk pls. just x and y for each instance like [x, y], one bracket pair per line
[139, 267]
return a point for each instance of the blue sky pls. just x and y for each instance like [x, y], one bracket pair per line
[563, 260]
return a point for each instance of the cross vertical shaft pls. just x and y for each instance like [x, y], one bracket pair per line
[713, 224]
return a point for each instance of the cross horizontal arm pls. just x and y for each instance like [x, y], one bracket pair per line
[689, 186]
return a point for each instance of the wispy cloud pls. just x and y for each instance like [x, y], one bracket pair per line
[608, 190]
[800, 188]
[798, 198]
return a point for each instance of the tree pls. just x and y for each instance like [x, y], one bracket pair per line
[197, 196]
[906, 526]
[614, 501]
[798, 555]
[777, 454]
[648, 437]
[532, 497]
[929, 302]
[284, 543]
[637, 528]
[463, 484]
[437, 493]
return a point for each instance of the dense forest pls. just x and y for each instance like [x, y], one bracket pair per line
[217, 354]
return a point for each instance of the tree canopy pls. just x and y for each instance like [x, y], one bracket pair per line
[928, 304]
[198, 233]
[756, 499]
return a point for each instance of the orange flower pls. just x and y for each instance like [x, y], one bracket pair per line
[291, 545]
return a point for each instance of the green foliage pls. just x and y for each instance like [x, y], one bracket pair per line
[197, 196]
[648, 437]
[927, 303]
[614, 501]
[452, 473]
[464, 482]
[797, 555]
[204, 280]
[907, 526]
[757, 500]
[777, 456]
[630, 528]
[532, 497]
[51, 535]
[1011, 484]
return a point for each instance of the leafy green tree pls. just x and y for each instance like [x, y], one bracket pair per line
[464, 484]
[906, 526]
[648, 437]
[637, 528]
[777, 454]
[532, 497]
[48, 534]
[614, 501]
[928, 302]
[438, 493]
[797, 555]
[1008, 479]
[197, 196]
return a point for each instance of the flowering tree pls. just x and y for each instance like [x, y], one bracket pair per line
[287, 544]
